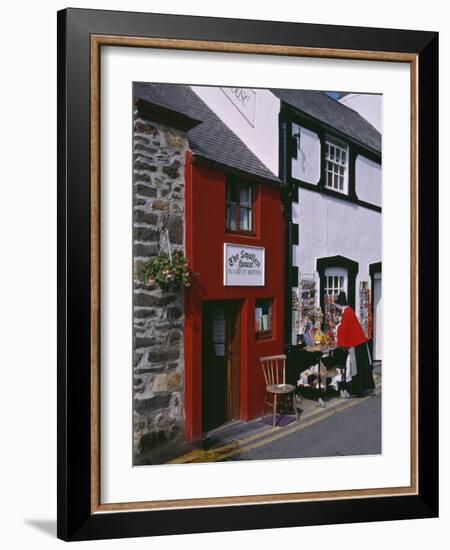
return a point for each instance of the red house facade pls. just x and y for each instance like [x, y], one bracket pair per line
[228, 326]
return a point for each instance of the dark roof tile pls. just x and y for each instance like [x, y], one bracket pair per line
[325, 109]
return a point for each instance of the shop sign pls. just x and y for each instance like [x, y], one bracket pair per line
[244, 99]
[243, 265]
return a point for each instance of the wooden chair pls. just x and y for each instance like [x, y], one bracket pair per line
[274, 370]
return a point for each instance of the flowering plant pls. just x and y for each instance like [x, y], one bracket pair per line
[167, 271]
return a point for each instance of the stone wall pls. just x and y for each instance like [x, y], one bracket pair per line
[158, 191]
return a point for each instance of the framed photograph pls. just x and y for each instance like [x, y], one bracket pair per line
[247, 251]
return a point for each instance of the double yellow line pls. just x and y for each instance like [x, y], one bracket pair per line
[267, 435]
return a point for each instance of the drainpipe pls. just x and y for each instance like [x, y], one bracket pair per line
[286, 202]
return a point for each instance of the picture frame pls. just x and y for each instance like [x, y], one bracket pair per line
[81, 35]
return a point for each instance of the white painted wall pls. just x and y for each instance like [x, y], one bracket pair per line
[368, 106]
[262, 137]
[330, 227]
[306, 167]
[368, 180]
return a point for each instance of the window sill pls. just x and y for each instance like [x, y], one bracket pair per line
[267, 335]
[343, 193]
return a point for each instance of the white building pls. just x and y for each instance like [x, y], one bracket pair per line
[329, 157]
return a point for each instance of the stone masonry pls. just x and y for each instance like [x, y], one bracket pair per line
[158, 191]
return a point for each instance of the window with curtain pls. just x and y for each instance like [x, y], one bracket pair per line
[240, 200]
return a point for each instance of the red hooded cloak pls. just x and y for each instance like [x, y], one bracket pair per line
[349, 331]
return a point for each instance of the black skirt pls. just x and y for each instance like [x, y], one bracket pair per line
[363, 379]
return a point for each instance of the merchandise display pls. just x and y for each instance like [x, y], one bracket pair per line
[328, 378]
[365, 309]
[307, 300]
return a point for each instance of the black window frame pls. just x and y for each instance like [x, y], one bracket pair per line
[352, 268]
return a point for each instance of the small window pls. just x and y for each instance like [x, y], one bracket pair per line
[263, 318]
[336, 166]
[334, 284]
[335, 281]
[240, 199]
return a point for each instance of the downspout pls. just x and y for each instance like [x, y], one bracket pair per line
[286, 202]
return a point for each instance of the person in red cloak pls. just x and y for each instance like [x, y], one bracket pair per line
[351, 337]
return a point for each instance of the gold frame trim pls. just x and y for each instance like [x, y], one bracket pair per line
[97, 41]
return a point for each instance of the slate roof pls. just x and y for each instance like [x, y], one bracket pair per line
[336, 115]
[211, 139]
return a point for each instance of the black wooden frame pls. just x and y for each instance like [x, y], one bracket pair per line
[75, 520]
[352, 268]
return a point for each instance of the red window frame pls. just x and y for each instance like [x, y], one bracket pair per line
[237, 184]
[261, 334]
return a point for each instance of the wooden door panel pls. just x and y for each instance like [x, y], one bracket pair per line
[220, 363]
[233, 361]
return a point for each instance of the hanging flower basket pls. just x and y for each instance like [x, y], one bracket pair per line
[168, 271]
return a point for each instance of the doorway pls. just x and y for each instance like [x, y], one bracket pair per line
[221, 343]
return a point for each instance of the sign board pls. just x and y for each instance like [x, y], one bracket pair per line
[244, 99]
[243, 265]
